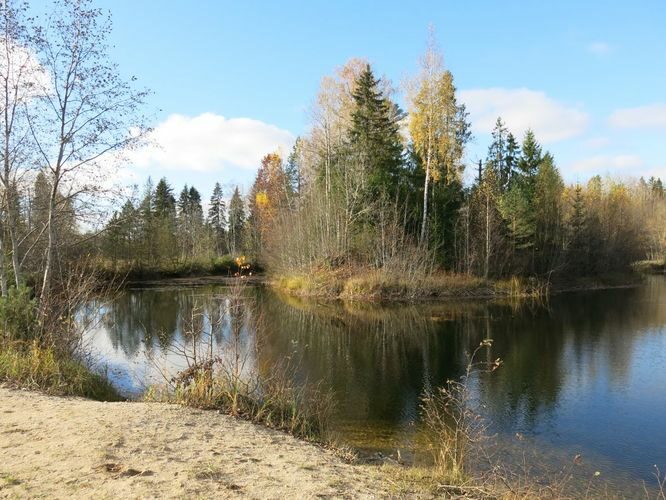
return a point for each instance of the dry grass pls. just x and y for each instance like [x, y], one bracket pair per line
[223, 375]
[273, 401]
[384, 285]
[35, 367]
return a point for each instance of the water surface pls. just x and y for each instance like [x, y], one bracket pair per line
[583, 374]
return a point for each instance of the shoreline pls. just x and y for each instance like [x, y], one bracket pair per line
[441, 288]
[335, 289]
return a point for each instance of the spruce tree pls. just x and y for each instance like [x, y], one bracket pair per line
[374, 136]
[547, 210]
[236, 222]
[217, 220]
[512, 156]
[194, 207]
[503, 155]
[165, 220]
[293, 168]
[577, 249]
[531, 156]
[497, 154]
[165, 202]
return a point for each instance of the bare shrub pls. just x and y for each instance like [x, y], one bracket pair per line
[455, 428]
[222, 373]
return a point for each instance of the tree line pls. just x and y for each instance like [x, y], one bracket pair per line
[160, 230]
[373, 186]
[369, 185]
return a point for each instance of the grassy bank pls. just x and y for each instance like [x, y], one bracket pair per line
[139, 271]
[273, 401]
[45, 369]
[375, 285]
[650, 266]
[40, 354]
[380, 286]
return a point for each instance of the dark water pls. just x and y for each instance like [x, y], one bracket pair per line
[584, 374]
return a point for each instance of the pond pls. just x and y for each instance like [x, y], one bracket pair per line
[583, 374]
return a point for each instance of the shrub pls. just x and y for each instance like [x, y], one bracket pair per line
[36, 367]
[18, 314]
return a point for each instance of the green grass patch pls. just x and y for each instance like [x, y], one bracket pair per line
[34, 367]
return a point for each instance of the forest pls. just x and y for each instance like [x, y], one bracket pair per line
[373, 188]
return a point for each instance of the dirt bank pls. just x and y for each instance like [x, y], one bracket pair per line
[66, 447]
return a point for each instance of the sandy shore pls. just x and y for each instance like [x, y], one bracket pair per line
[54, 447]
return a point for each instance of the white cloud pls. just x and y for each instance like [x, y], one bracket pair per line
[649, 116]
[23, 71]
[606, 164]
[209, 143]
[521, 109]
[599, 48]
[596, 142]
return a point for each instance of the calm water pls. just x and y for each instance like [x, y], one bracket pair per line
[583, 374]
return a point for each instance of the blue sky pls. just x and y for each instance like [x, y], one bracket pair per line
[231, 78]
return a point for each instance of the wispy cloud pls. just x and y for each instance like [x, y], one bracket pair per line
[649, 116]
[209, 143]
[599, 48]
[606, 164]
[552, 121]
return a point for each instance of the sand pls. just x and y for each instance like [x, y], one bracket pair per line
[53, 447]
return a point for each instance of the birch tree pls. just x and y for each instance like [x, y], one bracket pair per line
[19, 74]
[87, 112]
[437, 124]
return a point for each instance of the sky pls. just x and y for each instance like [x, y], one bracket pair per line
[233, 80]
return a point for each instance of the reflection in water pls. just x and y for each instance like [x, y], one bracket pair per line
[582, 374]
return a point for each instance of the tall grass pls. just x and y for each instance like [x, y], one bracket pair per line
[40, 344]
[454, 427]
[274, 401]
[223, 374]
[34, 366]
[386, 284]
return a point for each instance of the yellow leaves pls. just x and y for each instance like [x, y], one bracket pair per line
[434, 123]
[261, 199]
